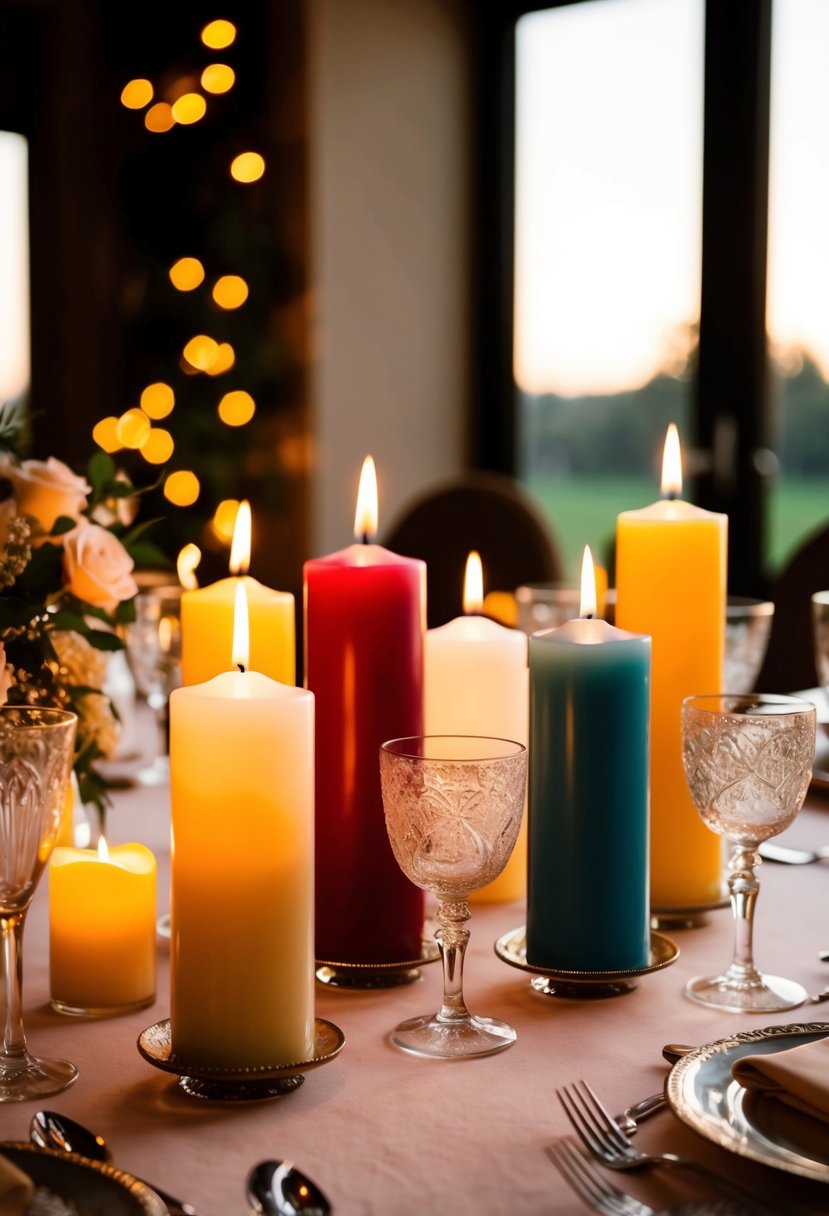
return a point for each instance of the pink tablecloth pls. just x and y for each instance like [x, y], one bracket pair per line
[384, 1133]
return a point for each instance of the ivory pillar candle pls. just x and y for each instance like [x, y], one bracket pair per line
[671, 584]
[207, 620]
[476, 683]
[587, 897]
[242, 880]
[365, 611]
[102, 929]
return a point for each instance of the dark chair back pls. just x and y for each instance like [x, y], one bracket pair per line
[789, 665]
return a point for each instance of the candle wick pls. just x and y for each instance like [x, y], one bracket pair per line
[671, 496]
[364, 538]
[589, 616]
[241, 667]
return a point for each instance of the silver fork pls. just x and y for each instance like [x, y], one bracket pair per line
[590, 1185]
[603, 1137]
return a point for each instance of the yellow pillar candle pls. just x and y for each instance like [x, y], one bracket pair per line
[476, 682]
[207, 620]
[102, 929]
[671, 584]
[242, 889]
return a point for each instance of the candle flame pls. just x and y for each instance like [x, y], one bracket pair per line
[186, 564]
[672, 464]
[473, 584]
[240, 656]
[588, 585]
[240, 547]
[103, 851]
[365, 517]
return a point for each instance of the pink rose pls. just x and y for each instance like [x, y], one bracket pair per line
[97, 567]
[5, 676]
[46, 489]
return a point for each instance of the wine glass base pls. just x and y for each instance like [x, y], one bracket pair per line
[35, 1078]
[772, 994]
[431, 1038]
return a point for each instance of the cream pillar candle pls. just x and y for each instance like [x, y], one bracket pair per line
[476, 683]
[242, 889]
[102, 936]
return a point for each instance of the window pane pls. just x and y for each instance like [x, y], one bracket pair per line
[14, 266]
[797, 309]
[607, 247]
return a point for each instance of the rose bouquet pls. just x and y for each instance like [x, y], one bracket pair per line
[67, 554]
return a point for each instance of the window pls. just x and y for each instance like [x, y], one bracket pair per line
[14, 267]
[608, 223]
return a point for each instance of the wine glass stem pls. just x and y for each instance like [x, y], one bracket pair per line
[743, 888]
[452, 937]
[14, 1040]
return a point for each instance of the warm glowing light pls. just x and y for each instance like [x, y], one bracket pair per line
[189, 108]
[473, 584]
[672, 464]
[247, 167]
[157, 400]
[137, 94]
[133, 428]
[105, 434]
[103, 849]
[186, 274]
[236, 408]
[224, 519]
[225, 358]
[201, 351]
[240, 549]
[240, 654]
[159, 118]
[218, 34]
[365, 517]
[218, 78]
[588, 585]
[230, 291]
[186, 564]
[182, 488]
[158, 446]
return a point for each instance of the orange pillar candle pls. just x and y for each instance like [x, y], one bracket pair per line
[671, 584]
[207, 620]
[102, 938]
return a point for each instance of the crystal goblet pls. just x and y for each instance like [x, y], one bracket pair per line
[153, 643]
[453, 806]
[748, 763]
[36, 750]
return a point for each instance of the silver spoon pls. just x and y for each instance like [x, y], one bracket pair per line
[277, 1188]
[793, 857]
[48, 1129]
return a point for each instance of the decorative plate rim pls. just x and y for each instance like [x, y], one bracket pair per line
[142, 1191]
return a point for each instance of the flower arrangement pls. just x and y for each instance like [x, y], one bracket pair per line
[67, 554]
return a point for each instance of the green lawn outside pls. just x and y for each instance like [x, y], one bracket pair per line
[582, 511]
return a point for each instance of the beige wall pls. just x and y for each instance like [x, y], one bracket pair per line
[389, 201]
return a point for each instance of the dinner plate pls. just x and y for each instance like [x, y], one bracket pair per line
[94, 1187]
[702, 1093]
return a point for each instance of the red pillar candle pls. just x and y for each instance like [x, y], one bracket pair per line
[365, 611]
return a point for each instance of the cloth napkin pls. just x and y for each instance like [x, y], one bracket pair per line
[798, 1077]
[16, 1189]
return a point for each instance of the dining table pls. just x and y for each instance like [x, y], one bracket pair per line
[384, 1133]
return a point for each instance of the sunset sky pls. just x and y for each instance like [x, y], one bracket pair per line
[609, 186]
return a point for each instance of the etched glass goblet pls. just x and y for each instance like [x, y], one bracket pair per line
[36, 750]
[748, 763]
[453, 806]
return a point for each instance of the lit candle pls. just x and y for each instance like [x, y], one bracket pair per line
[476, 684]
[671, 584]
[207, 620]
[102, 929]
[242, 859]
[365, 611]
[587, 897]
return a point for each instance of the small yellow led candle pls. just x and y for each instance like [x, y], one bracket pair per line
[102, 940]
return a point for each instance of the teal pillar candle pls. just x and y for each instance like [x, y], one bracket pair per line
[587, 892]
